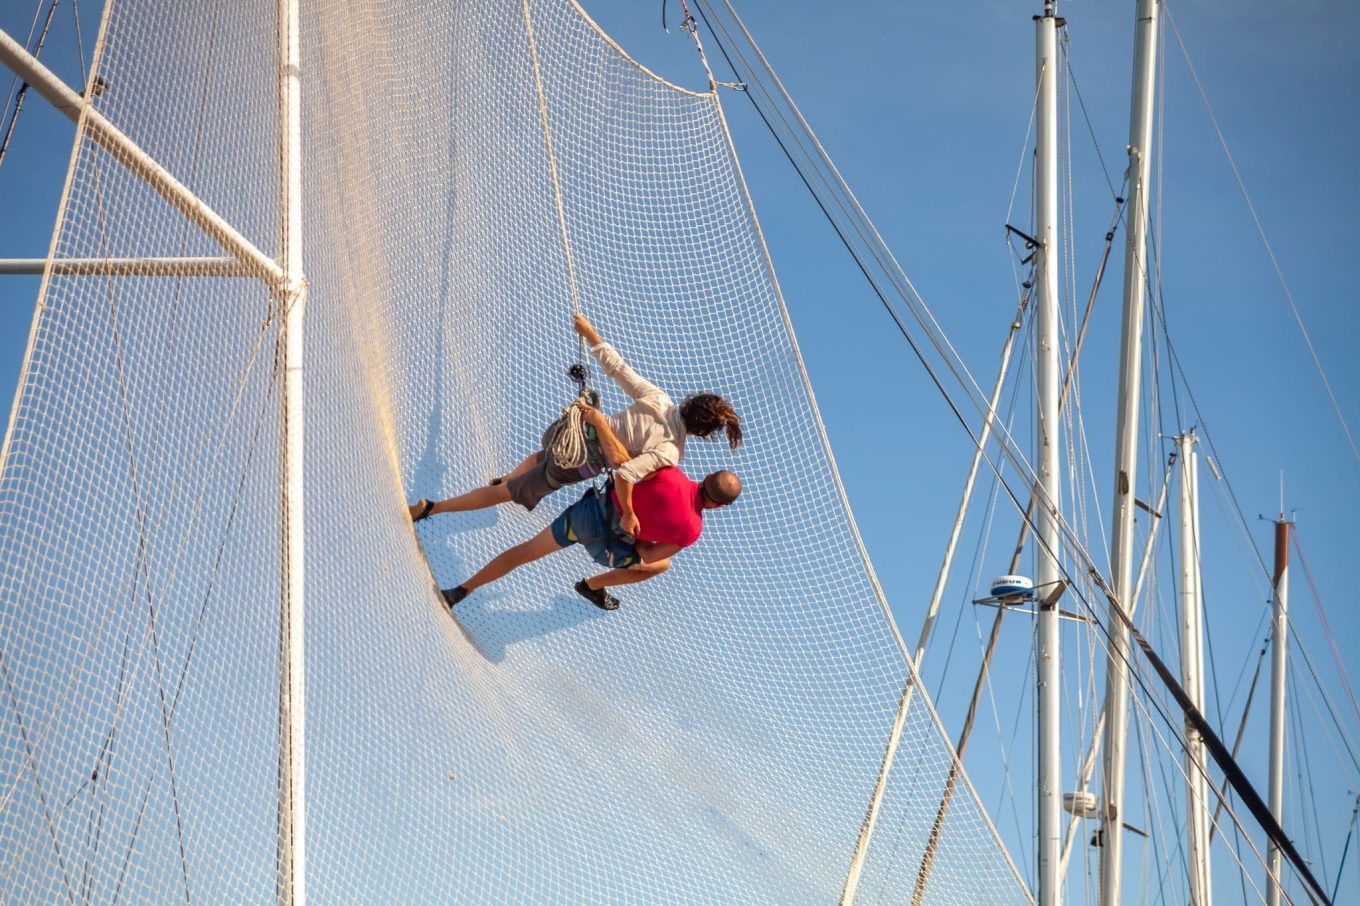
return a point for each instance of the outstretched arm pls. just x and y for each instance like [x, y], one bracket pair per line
[612, 363]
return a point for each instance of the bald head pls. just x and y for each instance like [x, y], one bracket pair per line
[721, 488]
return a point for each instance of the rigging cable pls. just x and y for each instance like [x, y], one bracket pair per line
[1081, 102]
[1161, 859]
[844, 200]
[1303, 769]
[1346, 848]
[23, 89]
[14, 79]
[1142, 705]
[1326, 627]
[80, 43]
[1217, 749]
[1260, 230]
[1160, 308]
[893, 272]
[168, 708]
[1296, 639]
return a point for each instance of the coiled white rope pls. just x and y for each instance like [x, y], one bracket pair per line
[565, 439]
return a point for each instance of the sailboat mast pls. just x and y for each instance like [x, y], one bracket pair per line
[1111, 833]
[292, 874]
[1192, 673]
[1280, 647]
[1047, 437]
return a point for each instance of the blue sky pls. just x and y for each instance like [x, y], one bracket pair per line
[924, 109]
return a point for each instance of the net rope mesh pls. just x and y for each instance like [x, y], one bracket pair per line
[717, 739]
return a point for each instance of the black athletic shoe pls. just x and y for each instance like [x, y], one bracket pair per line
[600, 597]
[420, 510]
[453, 595]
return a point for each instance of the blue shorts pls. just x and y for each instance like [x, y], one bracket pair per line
[592, 523]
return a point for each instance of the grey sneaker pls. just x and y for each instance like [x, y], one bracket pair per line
[600, 597]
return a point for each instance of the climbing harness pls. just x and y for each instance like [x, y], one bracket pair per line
[614, 548]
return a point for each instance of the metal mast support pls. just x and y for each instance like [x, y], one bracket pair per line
[1126, 451]
[112, 139]
[1047, 436]
[292, 873]
[1280, 643]
[866, 831]
[286, 281]
[1192, 673]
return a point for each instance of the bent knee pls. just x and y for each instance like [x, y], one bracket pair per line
[655, 568]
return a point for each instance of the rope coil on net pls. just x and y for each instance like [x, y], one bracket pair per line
[565, 439]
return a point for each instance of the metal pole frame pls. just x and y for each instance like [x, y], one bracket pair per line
[1279, 650]
[286, 282]
[1126, 451]
[126, 151]
[292, 855]
[1192, 674]
[1048, 437]
[866, 831]
[125, 267]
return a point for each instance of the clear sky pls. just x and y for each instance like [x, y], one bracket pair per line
[925, 109]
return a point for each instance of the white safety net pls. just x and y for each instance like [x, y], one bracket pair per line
[717, 739]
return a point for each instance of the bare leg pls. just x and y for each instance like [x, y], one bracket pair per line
[540, 545]
[476, 499]
[638, 572]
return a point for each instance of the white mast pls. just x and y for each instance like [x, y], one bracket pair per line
[1280, 643]
[292, 874]
[1047, 437]
[1192, 673]
[1126, 450]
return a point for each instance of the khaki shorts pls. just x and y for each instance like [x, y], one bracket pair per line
[546, 476]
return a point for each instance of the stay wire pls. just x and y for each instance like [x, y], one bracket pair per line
[1218, 708]
[1260, 230]
[1326, 626]
[1141, 705]
[1297, 643]
[878, 251]
[1255, 804]
[844, 200]
[980, 547]
[1345, 849]
[80, 44]
[1081, 103]
[841, 234]
[28, 39]
[1153, 813]
[23, 89]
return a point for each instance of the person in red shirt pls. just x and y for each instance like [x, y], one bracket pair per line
[667, 510]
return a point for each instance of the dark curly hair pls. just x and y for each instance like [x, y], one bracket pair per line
[705, 413]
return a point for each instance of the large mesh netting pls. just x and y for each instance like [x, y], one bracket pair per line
[717, 739]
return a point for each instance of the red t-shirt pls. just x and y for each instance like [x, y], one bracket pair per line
[669, 507]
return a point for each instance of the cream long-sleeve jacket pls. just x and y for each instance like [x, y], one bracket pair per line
[651, 429]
